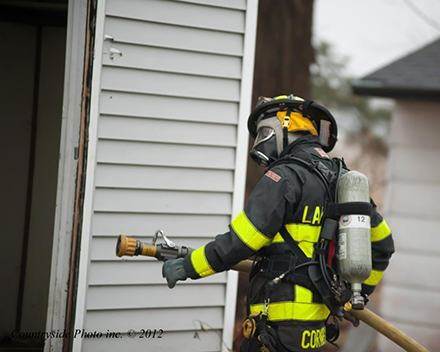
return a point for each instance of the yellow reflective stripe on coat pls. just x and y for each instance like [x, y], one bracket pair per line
[380, 232]
[305, 235]
[280, 311]
[374, 278]
[200, 263]
[303, 295]
[248, 233]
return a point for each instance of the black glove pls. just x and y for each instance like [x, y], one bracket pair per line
[351, 318]
[268, 338]
[173, 270]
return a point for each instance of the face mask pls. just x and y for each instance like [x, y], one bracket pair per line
[265, 146]
[268, 142]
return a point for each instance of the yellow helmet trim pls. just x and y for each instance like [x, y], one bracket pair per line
[297, 122]
[288, 97]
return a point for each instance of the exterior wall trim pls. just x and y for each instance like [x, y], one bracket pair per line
[63, 224]
[90, 172]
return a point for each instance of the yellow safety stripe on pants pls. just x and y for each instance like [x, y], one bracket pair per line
[305, 235]
[374, 278]
[248, 233]
[200, 264]
[280, 311]
[380, 232]
[303, 295]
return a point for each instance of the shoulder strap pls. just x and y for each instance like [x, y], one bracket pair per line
[293, 246]
[326, 175]
[288, 159]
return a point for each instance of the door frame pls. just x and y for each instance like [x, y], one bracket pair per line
[70, 183]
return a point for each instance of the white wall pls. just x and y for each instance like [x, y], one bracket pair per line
[411, 290]
[166, 152]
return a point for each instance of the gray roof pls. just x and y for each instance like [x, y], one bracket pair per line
[414, 76]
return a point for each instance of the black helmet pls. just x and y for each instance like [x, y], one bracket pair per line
[322, 123]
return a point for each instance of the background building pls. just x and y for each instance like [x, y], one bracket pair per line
[411, 288]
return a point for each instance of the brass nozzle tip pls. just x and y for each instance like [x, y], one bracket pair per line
[348, 306]
[125, 246]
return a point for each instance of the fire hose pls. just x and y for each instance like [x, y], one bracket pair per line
[127, 246]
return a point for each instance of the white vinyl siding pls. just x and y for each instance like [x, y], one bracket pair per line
[173, 132]
[133, 153]
[174, 37]
[180, 225]
[180, 14]
[165, 158]
[155, 177]
[184, 62]
[152, 106]
[119, 320]
[127, 273]
[172, 84]
[170, 341]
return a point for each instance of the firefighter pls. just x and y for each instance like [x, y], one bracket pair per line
[286, 312]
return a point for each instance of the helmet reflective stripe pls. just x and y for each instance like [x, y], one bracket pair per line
[291, 96]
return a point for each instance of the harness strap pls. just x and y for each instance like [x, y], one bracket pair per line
[276, 265]
[306, 105]
[317, 274]
[318, 168]
[293, 246]
[334, 210]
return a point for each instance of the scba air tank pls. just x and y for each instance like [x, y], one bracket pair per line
[354, 249]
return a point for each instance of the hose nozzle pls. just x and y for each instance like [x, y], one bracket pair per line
[125, 246]
[132, 247]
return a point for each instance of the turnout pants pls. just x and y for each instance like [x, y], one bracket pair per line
[308, 337]
[296, 314]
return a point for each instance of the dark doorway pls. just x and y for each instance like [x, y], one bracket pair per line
[33, 41]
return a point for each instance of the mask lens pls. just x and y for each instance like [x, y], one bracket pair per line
[264, 133]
